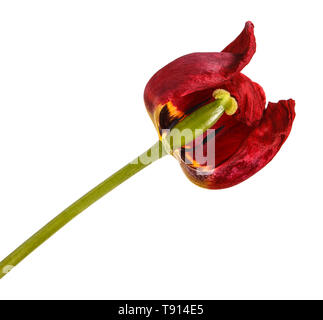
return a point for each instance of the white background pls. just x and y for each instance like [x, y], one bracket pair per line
[72, 75]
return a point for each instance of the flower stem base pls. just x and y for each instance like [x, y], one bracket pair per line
[151, 155]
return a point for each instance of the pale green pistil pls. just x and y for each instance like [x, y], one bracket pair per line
[196, 123]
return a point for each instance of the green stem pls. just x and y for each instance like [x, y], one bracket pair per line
[155, 152]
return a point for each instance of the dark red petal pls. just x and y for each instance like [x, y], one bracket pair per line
[255, 152]
[250, 96]
[244, 45]
[226, 139]
[199, 71]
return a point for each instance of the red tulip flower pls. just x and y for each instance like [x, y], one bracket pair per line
[204, 93]
[244, 142]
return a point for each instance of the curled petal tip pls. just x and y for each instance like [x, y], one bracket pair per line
[180, 80]
[249, 25]
[244, 45]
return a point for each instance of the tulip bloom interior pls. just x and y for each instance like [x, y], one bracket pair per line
[243, 142]
[228, 132]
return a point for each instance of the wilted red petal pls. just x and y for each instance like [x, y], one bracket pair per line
[227, 137]
[244, 44]
[250, 96]
[258, 149]
[198, 72]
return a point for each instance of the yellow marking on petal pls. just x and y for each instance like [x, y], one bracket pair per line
[196, 165]
[193, 163]
[173, 112]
